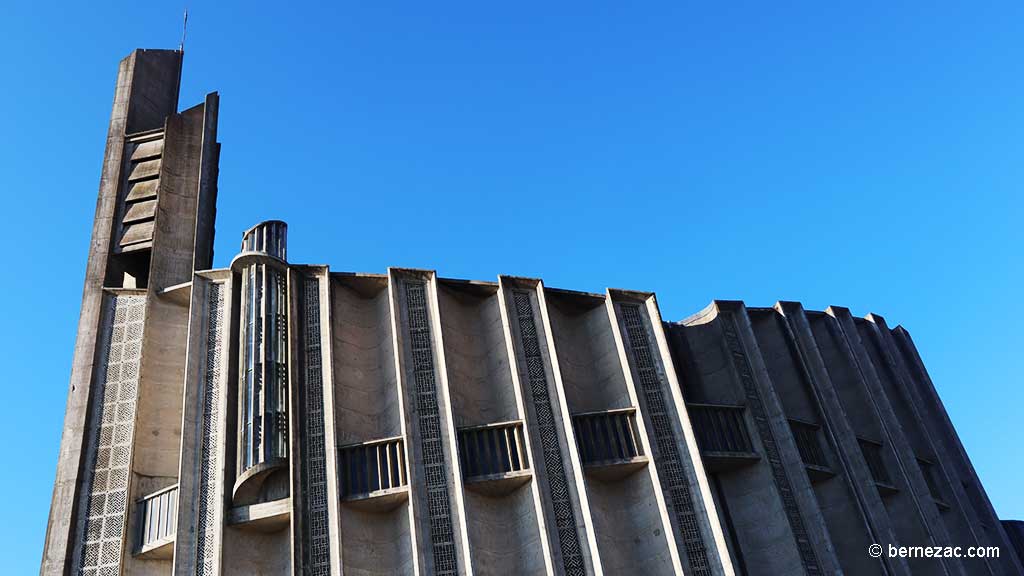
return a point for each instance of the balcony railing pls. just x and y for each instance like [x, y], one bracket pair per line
[720, 428]
[872, 452]
[808, 442]
[492, 449]
[158, 516]
[609, 442]
[932, 479]
[722, 435]
[370, 468]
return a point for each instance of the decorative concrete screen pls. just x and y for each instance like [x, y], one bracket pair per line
[102, 512]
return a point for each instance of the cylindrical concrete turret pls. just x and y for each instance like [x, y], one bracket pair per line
[263, 370]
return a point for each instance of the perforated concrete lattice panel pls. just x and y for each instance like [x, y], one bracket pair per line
[439, 509]
[318, 551]
[756, 404]
[671, 470]
[558, 485]
[102, 509]
[209, 462]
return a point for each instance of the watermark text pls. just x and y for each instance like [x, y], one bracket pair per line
[890, 551]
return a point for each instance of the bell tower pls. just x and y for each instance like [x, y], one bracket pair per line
[154, 226]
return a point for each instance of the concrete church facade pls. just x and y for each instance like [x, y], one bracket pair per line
[281, 418]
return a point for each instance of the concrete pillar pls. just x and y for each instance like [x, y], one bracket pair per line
[377, 536]
[435, 488]
[502, 516]
[684, 495]
[966, 526]
[976, 500]
[201, 480]
[853, 466]
[806, 523]
[557, 469]
[894, 433]
[318, 282]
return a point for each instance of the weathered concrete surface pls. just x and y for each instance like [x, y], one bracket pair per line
[146, 93]
[414, 359]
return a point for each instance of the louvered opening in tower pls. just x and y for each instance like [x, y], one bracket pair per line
[136, 215]
[142, 168]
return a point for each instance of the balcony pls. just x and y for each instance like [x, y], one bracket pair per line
[808, 442]
[158, 519]
[609, 443]
[872, 452]
[493, 458]
[932, 478]
[373, 475]
[722, 435]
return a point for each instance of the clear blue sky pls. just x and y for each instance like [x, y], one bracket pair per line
[868, 156]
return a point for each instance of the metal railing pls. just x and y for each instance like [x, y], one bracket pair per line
[931, 478]
[720, 428]
[872, 452]
[808, 443]
[371, 466]
[492, 449]
[158, 517]
[607, 437]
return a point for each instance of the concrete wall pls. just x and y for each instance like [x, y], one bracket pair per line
[835, 495]
[145, 94]
[477, 355]
[503, 528]
[754, 514]
[367, 407]
[410, 356]
[631, 529]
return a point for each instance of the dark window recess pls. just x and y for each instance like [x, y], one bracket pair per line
[872, 452]
[981, 507]
[808, 442]
[492, 450]
[607, 437]
[720, 428]
[370, 467]
[128, 270]
[931, 477]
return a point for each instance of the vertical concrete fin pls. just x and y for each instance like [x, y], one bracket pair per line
[909, 469]
[186, 201]
[438, 505]
[209, 170]
[799, 505]
[321, 279]
[299, 440]
[980, 506]
[965, 526]
[501, 515]
[854, 468]
[711, 526]
[315, 491]
[421, 558]
[557, 470]
[661, 421]
[449, 432]
[540, 497]
[156, 80]
[201, 496]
